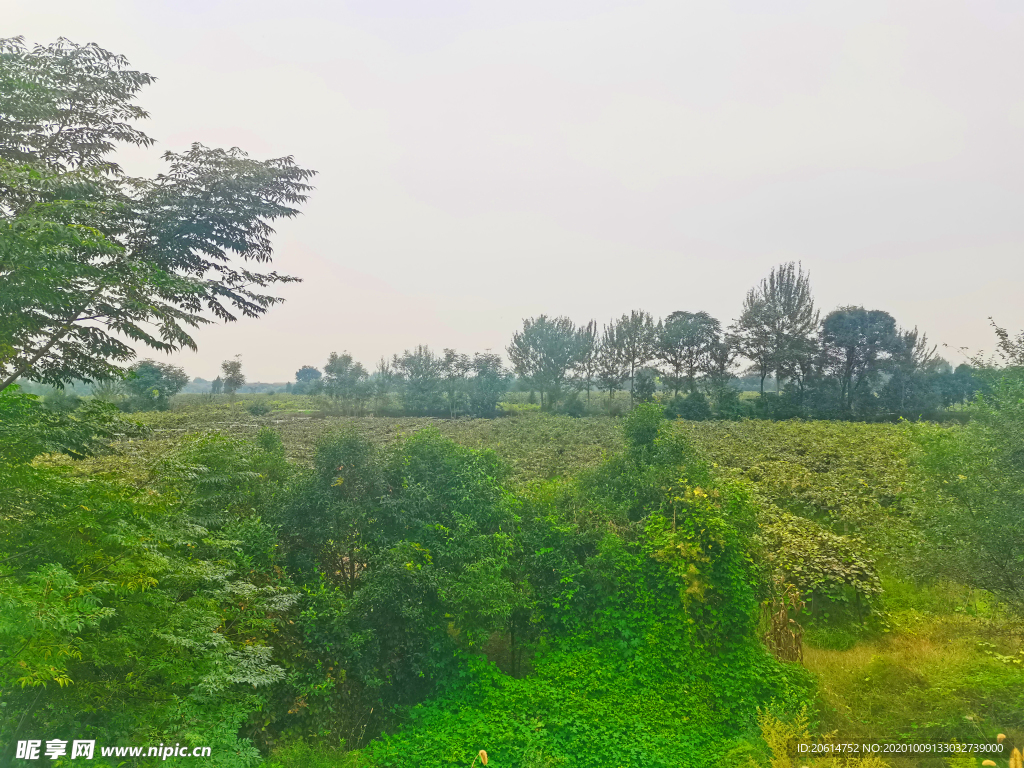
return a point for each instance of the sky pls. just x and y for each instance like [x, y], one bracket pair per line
[482, 162]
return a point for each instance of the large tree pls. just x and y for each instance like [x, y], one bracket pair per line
[94, 262]
[585, 363]
[488, 382]
[777, 327]
[454, 368]
[344, 380]
[683, 343]
[150, 385]
[234, 379]
[421, 372]
[857, 346]
[636, 336]
[612, 370]
[307, 373]
[795, 321]
[751, 335]
[913, 365]
[544, 352]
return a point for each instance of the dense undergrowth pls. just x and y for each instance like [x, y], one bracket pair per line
[556, 591]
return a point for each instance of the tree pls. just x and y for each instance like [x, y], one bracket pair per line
[787, 296]
[217, 386]
[857, 346]
[636, 341]
[777, 326]
[233, 376]
[307, 373]
[752, 336]
[718, 371]
[612, 370]
[645, 385]
[1009, 348]
[911, 388]
[421, 371]
[544, 352]
[977, 477]
[489, 381]
[585, 363]
[454, 367]
[345, 380]
[385, 378]
[93, 262]
[683, 342]
[151, 385]
[957, 387]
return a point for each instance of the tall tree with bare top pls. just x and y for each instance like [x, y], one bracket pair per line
[778, 325]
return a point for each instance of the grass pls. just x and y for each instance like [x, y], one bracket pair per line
[929, 680]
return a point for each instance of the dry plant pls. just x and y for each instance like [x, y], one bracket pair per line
[783, 635]
[780, 737]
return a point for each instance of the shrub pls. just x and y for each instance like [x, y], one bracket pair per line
[613, 407]
[693, 407]
[727, 404]
[645, 387]
[573, 406]
[642, 425]
[259, 407]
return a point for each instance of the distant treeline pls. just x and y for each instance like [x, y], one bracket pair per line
[854, 363]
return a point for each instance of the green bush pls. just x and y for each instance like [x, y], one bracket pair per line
[727, 405]
[156, 617]
[259, 407]
[573, 406]
[974, 477]
[646, 654]
[692, 407]
[642, 425]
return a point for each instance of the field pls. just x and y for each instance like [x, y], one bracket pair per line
[931, 661]
[538, 447]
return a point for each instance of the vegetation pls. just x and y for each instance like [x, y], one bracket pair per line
[93, 261]
[150, 386]
[482, 578]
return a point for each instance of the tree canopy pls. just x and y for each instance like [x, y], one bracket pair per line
[94, 262]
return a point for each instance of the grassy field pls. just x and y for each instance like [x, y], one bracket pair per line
[935, 662]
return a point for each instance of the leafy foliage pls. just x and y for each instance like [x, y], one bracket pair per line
[974, 475]
[151, 385]
[151, 622]
[93, 262]
[645, 604]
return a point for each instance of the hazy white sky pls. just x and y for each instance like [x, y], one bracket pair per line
[480, 162]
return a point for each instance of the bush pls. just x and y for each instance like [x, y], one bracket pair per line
[729, 406]
[61, 401]
[613, 407]
[573, 406]
[642, 425]
[259, 407]
[645, 387]
[149, 586]
[975, 479]
[693, 407]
